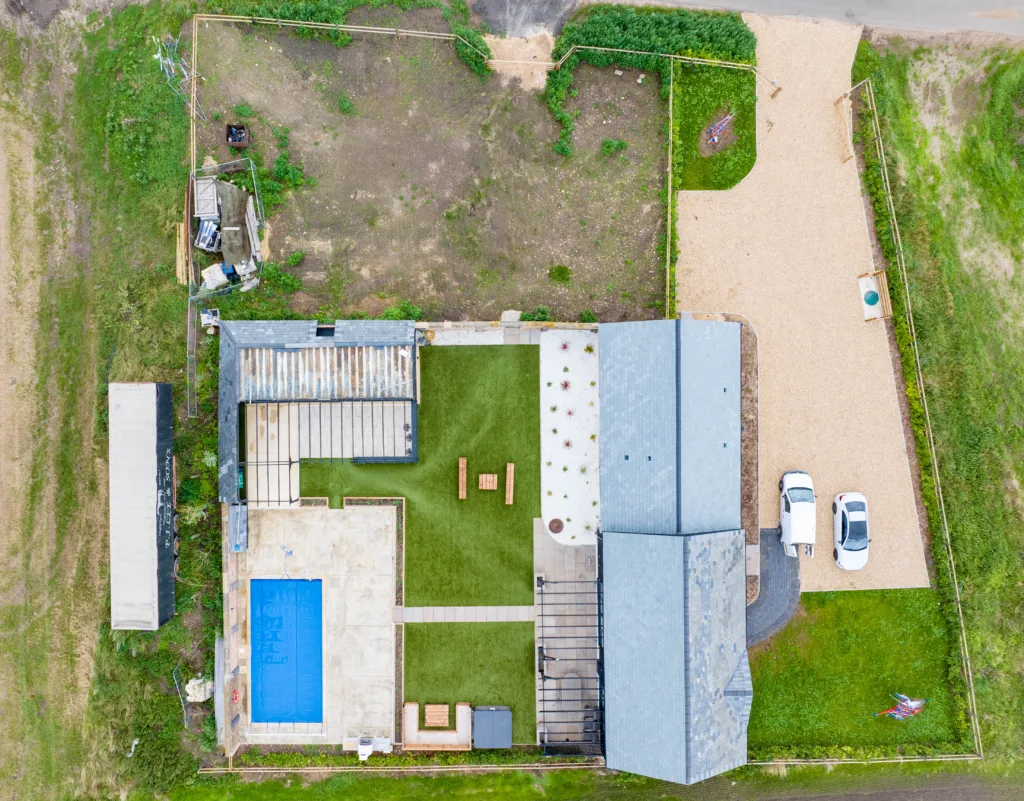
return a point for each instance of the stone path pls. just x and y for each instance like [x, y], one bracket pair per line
[780, 590]
[464, 614]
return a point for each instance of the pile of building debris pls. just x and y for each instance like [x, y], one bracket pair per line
[227, 224]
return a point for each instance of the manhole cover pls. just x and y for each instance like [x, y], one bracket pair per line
[556, 526]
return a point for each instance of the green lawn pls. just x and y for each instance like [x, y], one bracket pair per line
[482, 403]
[820, 681]
[700, 94]
[487, 664]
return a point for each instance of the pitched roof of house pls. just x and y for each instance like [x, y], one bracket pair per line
[677, 680]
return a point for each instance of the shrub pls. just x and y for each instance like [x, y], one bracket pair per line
[345, 105]
[609, 147]
[542, 314]
[295, 258]
[403, 310]
[244, 111]
[588, 316]
[470, 53]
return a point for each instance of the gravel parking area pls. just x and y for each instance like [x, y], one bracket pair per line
[784, 249]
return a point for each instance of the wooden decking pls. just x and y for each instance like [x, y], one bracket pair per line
[435, 716]
[462, 478]
[488, 481]
[510, 480]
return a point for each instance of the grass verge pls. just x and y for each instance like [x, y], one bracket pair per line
[484, 664]
[819, 681]
[955, 200]
[482, 403]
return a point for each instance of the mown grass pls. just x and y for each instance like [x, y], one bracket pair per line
[481, 403]
[700, 95]
[818, 683]
[484, 664]
[968, 202]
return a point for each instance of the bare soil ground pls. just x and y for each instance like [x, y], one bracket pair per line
[443, 188]
[784, 248]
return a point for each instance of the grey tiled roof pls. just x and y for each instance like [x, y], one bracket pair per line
[236, 335]
[670, 426]
[677, 680]
[638, 445]
[709, 426]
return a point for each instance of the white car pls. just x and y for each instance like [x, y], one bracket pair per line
[850, 530]
[797, 513]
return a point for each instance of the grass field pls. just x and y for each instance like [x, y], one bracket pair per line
[959, 195]
[484, 664]
[482, 403]
[701, 93]
[819, 681]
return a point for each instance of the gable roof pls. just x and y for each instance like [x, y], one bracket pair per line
[676, 675]
[677, 679]
[670, 426]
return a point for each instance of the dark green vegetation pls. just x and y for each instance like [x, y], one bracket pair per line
[685, 33]
[560, 274]
[470, 47]
[819, 681]
[481, 403]
[484, 664]
[959, 213]
[702, 96]
[877, 781]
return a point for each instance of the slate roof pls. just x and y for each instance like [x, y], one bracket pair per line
[670, 426]
[677, 679]
[676, 676]
[239, 335]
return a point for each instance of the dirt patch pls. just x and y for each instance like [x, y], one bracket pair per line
[714, 140]
[443, 188]
[525, 60]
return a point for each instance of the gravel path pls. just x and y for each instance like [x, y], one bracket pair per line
[784, 249]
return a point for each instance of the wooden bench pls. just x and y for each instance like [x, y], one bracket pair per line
[510, 481]
[435, 716]
[462, 478]
[488, 481]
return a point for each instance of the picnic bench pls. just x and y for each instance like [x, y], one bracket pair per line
[435, 716]
[488, 481]
[462, 478]
[510, 480]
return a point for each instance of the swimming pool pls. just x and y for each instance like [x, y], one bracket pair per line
[286, 635]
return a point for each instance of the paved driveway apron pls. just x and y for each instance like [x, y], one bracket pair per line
[784, 248]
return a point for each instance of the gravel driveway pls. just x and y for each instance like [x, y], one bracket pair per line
[784, 248]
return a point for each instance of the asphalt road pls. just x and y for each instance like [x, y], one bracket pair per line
[995, 16]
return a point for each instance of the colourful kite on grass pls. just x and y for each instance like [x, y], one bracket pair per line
[905, 707]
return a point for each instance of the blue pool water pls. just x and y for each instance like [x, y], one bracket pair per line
[286, 633]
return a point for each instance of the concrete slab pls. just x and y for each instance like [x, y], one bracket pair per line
[353, 552]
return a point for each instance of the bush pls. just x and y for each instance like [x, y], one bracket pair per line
[244, 111]
[403, 310]
[295, 258]
[345, 105]
[588, 316]
[609, 147]
[542, 314]
[470, 53]
[208, 733]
